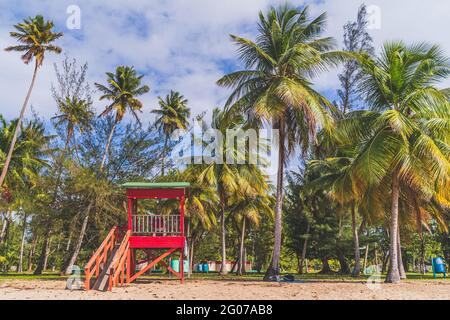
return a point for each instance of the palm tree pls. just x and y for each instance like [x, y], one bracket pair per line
[403, 141]
[332, 177]
[123, 88]
[35, 36]
[74, 113]
[201, 208]
[249, 210]
[26, 163]
[230, 179]
[276, 86]
[172, 115]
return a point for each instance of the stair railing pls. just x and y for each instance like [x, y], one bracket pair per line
[100, 257]
[121, 264]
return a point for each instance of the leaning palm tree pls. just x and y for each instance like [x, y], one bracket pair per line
[403, 141]
[173, 115]
[123, 88]
[35, 36]
[276, 87]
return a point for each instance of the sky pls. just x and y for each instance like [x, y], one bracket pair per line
[184, 45]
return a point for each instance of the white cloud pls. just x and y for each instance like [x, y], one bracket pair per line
[182, 44]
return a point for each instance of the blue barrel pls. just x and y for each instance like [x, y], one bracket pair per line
[205, 268]
[439, 266]
[200, 267]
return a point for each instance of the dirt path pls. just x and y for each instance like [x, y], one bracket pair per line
[210, 289]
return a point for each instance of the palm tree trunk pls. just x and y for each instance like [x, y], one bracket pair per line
[344, 267]
[241, 267]
[47, 254]
[17, 129]
[401, 267]
[357, 269]
[421, 238]
[393, 275]
[163, 160]
[365, 258]
[326, 269]
[305, 246]
[44, 251]
[108, 145]
[422, 254]
[5, 226]
[22, 245]
[69, 241]
[223, 267]
[31, 253]
[77, 248]
[274, 268]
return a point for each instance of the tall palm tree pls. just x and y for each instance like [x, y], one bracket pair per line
[230, 179]
[403, 141]
[123, 88]
[35, 36]
[276, 86]
[173, 114]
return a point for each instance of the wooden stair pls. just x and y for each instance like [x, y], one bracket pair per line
[110, 264]
[102, 282]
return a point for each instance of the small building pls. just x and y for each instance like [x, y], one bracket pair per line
[215, 266]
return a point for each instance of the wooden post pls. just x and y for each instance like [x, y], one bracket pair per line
[182, 216]
[87, 280]
[129, 265]
[132, 266]
[130, 209]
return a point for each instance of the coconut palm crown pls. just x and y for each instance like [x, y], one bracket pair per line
[35, 36]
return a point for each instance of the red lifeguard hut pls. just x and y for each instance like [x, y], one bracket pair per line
[115, 261]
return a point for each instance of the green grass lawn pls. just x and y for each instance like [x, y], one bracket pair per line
[232, 277]
[30, 276]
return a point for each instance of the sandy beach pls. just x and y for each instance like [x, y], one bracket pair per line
[229, 290]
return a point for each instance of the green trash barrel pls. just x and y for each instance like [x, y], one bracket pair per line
[175, 265]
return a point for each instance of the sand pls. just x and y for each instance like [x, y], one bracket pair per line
[230, 290]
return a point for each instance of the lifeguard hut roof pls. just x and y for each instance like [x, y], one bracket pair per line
[155, 185]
